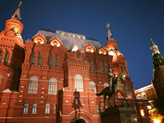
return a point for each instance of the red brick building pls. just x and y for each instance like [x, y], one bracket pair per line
[54, 77]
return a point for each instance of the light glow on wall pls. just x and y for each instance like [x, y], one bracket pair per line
[142, 113]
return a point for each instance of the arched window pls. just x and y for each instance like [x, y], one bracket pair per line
[33, 59]
[52, 86]
[39, 59]
[144, 96]
[33, 85]
[51, 61]
[0, 80]
[102, 67]
[77, 55]
[124, 71]
[79, 83]
[106, 85]
[56, 61]
[93, 66]
[128, 91]
[106, 68]
[7, 57]
[138, 96]
[1, 55]
[92, 85]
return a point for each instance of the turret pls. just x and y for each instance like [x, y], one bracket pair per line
[14, 24]
[157, 57]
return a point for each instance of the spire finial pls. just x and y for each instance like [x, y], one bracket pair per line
[20, 3]
[108, 25]
[152, 43]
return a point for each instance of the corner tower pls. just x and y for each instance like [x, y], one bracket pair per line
[158, 75]
[11, 52]
[119, 63]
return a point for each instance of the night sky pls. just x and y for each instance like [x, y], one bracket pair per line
[133, 23]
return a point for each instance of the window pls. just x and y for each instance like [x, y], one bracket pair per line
[79, 83]
[6, 58]
[138, 96]
[47, 109]
[1, 55]
[106, 68]
[52, 86]
[93, 66]
[106, 85]
[33, 59]
[89, 67]
[98, 109]
[25, 109]
[39, 59]
[83, 101]
[128, 92]
[144, 96]
[56, 61]
[77, 55]
[92, 85]
[102, 67]
[33, 85]
[120, 69]
[0, 80]
[51, 61]
[34, 108]
[106, 106]
[55, 107]
[76, 101]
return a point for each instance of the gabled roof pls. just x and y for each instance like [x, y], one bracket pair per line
[69, 41]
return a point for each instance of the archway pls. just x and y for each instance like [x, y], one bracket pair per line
[80, 121]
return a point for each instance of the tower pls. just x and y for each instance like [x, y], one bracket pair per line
[11, 52]
[158, 75]
[119, 62]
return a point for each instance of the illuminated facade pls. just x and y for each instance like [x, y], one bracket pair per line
[54, 77]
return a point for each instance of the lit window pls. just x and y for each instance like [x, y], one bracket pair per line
[92, 85]
[79, 83]
[128, 91]
[102, 67]
[93, 66]
[6, 58]
[25, 109]
[51, 61]
[106, 106]
[82, 101]
[39, 59]
[106, 68]
[142, 113]
[33, 85]
[47, 109]
[33, 59]
[0, 80]
[138, 96]
[56, 61]
[1, 55]
[34, 109]
[52, 86]
[144, 96]
[76, 101]
[106, 85]
[55, 107]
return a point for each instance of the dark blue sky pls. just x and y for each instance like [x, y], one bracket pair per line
[133, 23]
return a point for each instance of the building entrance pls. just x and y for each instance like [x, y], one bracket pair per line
[80, 121]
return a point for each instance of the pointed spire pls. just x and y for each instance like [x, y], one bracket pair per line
[152, 43]
[109, 34]
[16, 15]
[154, 48]
[75, 48]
